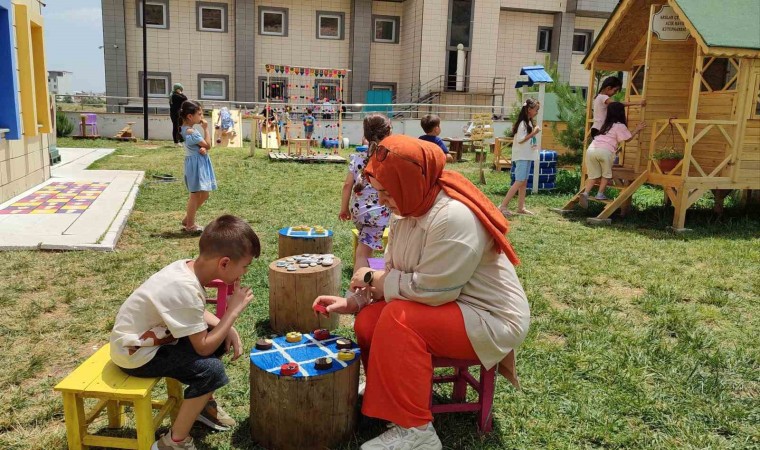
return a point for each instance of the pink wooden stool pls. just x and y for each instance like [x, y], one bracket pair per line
[461, 378]
[222, 292]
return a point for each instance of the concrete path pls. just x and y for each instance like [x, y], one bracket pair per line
[96, 228]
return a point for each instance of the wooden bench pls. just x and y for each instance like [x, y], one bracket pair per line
[99, 378]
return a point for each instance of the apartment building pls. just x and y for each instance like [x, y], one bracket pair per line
[60, 82]
[218, 49]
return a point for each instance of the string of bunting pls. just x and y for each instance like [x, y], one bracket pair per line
[308, 71]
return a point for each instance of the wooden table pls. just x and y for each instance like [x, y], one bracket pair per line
[456, 145]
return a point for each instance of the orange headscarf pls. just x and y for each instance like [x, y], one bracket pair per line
[415, 193]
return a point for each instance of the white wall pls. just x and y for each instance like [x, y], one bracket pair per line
[160, 127]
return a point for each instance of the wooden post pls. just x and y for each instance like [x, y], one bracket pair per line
[539, 124]
[292, 293]
[589, 121]
[743, 111]
[682, 198]
[305, 413]
[340, 113]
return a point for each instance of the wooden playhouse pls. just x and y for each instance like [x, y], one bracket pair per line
[697, 64]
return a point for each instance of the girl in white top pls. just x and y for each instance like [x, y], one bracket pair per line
[610, 87]
[523, 153]
[603, 148]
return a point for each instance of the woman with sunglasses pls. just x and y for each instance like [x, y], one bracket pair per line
[449, 289]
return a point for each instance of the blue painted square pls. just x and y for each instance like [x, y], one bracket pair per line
[304, 353]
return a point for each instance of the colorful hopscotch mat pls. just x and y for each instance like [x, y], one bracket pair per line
[57, 198]
[305, 353]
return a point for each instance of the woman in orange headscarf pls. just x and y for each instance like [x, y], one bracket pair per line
[449, 289]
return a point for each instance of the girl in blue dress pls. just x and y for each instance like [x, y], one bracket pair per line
[199, 173]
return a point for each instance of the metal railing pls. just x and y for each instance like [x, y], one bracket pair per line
[356, 111]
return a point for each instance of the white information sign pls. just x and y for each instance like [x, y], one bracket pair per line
[668, 26]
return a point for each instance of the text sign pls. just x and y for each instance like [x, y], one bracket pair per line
[668, 26]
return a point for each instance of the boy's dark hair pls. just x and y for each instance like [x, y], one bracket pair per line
[523, 116]
[188, 108]
[309, 110]
[376, 127]
[613, 82]
[229, 236]
[615, 114]
[429, 122]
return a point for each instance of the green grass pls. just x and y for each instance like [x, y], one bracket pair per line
[640, 338]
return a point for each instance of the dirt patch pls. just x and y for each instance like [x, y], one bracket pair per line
[556, 303]
[552, 339]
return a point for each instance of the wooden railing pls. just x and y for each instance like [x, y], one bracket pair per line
[659, 127]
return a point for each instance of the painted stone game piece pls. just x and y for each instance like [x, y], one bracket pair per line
[323, 363]
[293, 336]
[264, 344]
[289, 369]
[343, 344]
[346, 355]
[322, 333]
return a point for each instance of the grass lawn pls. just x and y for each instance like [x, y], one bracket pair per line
[640, 338]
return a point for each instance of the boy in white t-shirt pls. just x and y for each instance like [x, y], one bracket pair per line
[603, 148]
[164, 330]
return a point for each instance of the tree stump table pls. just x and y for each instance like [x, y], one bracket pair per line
[292, 293]
[296, 241]
[311, 409]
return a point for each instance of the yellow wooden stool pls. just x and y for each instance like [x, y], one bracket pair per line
[99, 378]
[355, 236]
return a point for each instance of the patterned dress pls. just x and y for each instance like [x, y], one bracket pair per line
[370, 217]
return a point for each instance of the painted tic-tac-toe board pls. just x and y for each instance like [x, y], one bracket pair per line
[57, 198]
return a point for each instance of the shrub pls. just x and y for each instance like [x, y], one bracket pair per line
[63, 126]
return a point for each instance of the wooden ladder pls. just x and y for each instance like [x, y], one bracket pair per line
[611, 205]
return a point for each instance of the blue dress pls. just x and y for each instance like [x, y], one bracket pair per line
[199, 173]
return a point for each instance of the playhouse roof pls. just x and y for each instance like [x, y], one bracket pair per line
[734, 23]
[536, 74]
[727, 28]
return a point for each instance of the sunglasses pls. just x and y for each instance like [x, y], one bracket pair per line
[381, 152]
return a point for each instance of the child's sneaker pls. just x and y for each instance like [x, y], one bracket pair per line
[167, 443]
[215, 417]
[398, 438]
[583, 200]
[601, 197]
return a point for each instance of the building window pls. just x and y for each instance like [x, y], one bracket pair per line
[719, 74]
[582, 90]
[385, 29]
[330, 25]
[212, 17]
[156, 13]
[544, 42]
[213, 87]
[326, 89]
[159, 84]
[275, 89]
[273, 21]
[582, 41]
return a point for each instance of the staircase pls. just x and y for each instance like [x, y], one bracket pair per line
[484, 91]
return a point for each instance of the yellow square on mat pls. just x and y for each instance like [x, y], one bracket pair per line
[74, 207]
[44, 211]
[27, 204]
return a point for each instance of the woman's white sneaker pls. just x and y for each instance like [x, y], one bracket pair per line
[398, 438]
